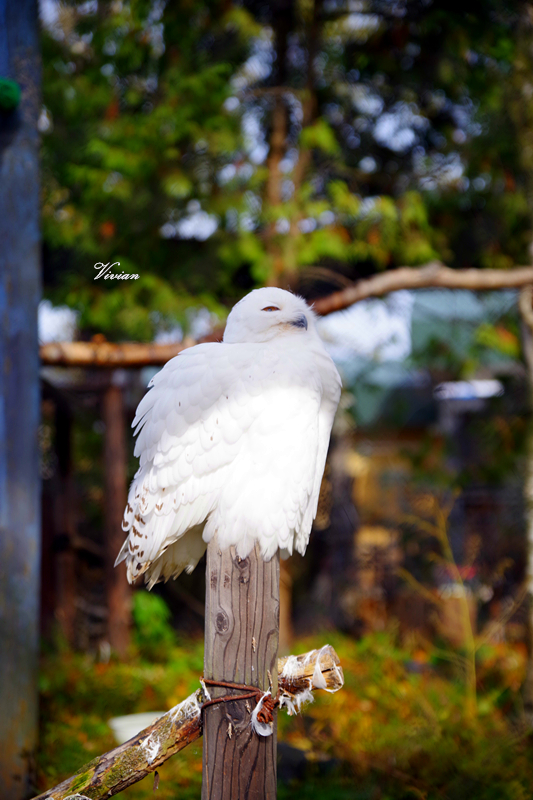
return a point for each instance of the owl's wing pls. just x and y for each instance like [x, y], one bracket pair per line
[190, 426]
[331, 384]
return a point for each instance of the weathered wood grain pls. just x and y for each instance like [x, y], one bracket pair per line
[241, 644]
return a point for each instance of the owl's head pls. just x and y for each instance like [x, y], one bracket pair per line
[266, 313]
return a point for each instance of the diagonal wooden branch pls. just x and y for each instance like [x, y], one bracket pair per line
[435, 275]
[431, 276]
[109, 354]
[129, 763]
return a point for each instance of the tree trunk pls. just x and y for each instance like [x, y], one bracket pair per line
[241, 645]
[521, 112]
[526, 311]
[65, 567]
[118, 589]
[19, 398]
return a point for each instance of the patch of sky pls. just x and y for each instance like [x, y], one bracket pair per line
[296, 113]
[56, 323]
[373, 329]
[49, 16]
[247, 222]
[288, 162]
[334, 113]
[307, 225]
[200, 322]
[398, 128]
[226, 174]
[151, 83]
[253, 202]
[168, 230]
[258, 66]
[88, 8]
[110, 47]
[245, 171]
[482, 182]
[231, 104]
[366, 101]
[439, 170]
[44, 123]
[358, 26]
[156, 11]
[368, 164]
[156, 38]
[361, 124]
[367, 207]
[326, 218]
[254, 136]
[111, 181]
[296, 54]
[168, 335]
[197, 225]
[287, 190]
[232, 220]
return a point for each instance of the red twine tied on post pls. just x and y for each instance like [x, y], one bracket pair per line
[265, 713]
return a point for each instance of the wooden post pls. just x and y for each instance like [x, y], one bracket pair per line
[20, 291]
[526, 310]
[65, 556]
[118, 589]
[241, 646]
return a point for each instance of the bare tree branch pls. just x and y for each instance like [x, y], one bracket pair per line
[108, 354]
[129, 763]
[434, 275]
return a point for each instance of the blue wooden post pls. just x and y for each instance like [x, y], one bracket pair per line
[19, 393]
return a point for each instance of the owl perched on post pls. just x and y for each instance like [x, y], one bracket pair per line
[232, 439]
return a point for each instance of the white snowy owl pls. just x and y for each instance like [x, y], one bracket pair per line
[232, 440]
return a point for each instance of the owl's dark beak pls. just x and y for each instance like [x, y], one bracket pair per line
[300, 321]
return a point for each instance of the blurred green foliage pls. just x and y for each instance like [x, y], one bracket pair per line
[397, 729]
[402, 139]
[153, 633]
[79, 696]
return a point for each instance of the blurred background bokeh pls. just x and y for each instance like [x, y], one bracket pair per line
[213, 146]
